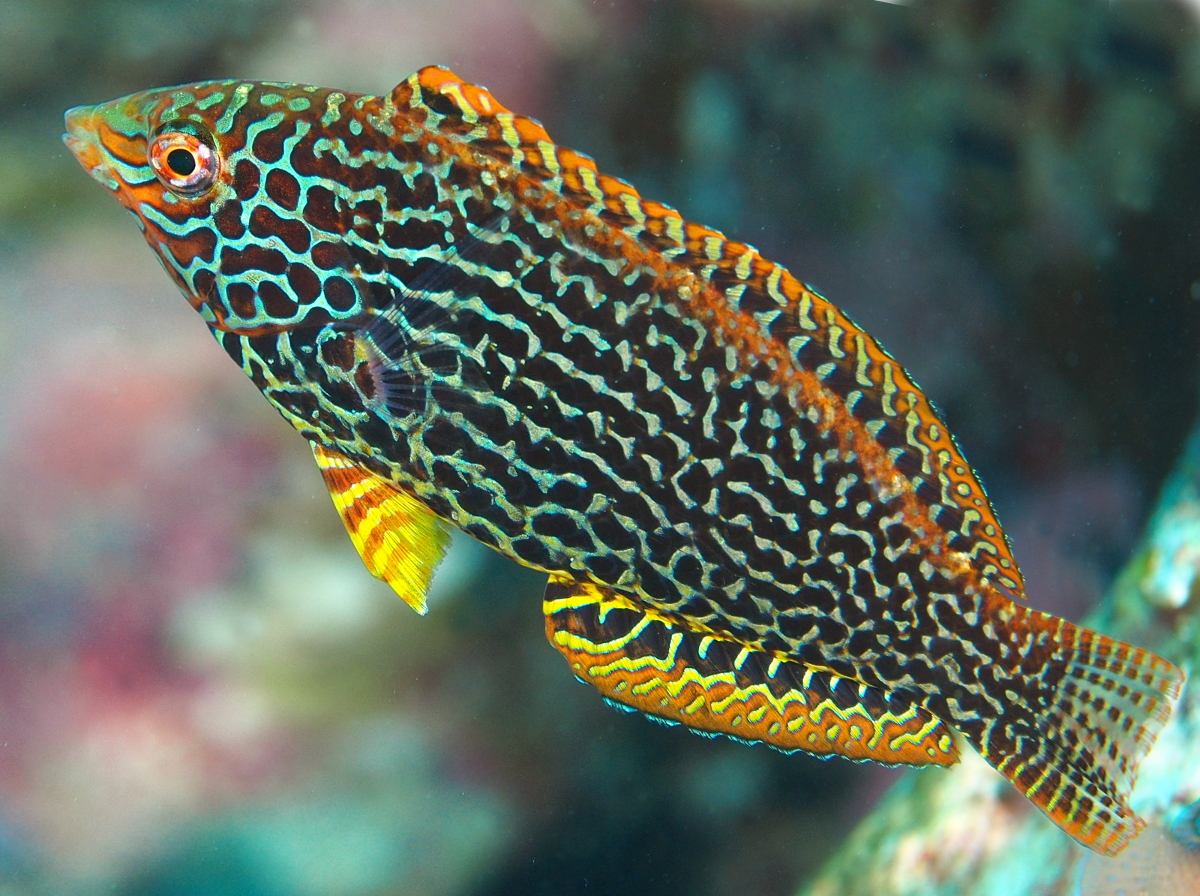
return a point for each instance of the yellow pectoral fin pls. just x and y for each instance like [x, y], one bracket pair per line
[680, 673]
[399, 539]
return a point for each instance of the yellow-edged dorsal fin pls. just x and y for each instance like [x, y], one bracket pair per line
[399, 539]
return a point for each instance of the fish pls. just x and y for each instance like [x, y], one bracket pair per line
[753, 521]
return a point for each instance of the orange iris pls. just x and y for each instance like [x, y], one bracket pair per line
[184, 162]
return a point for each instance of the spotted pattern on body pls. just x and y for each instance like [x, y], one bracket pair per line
[690, 441]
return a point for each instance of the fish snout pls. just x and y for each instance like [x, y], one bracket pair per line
[81, 139]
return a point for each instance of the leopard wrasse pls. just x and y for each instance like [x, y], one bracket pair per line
[753, 521]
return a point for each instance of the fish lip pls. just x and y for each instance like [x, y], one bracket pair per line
[80, 138]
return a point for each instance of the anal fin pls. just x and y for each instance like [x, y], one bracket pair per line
[677, 672]
[400, 540]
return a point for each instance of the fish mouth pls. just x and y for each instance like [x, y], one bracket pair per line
[81, 123]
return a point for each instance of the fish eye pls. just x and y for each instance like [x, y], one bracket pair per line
[184, 159]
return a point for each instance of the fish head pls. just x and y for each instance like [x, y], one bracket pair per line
[208, 171]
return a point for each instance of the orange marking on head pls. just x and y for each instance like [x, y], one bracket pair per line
[131, 151]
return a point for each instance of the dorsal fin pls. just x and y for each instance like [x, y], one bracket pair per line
[454, 107]
[470, 116]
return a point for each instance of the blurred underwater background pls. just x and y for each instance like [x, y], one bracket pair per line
[203, 692]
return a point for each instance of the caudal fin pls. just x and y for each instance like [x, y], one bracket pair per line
[1073, 744]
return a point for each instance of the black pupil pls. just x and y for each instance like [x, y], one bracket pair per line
[181, 162]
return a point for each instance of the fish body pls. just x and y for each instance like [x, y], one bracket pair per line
[753, 520]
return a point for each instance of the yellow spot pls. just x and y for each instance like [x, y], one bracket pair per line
[587, 176]
[549, 156]
[694, 705]
[855, 732]
[456, 96]
[804, 312]
[773, 279]
[944, 743]
[737, 720]
[832, 732]
[812, 738]
[835, 340]
[743, 265]
[862, 372]
[889, 389]
[633, 207]
[645, 687]
[774, 729]
[674, 228]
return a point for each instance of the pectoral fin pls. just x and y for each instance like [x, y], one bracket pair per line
[399, 539]
[676, 672]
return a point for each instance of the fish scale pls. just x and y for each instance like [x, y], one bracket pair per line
[724, 475]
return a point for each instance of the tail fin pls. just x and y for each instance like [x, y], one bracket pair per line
[1073, 744]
